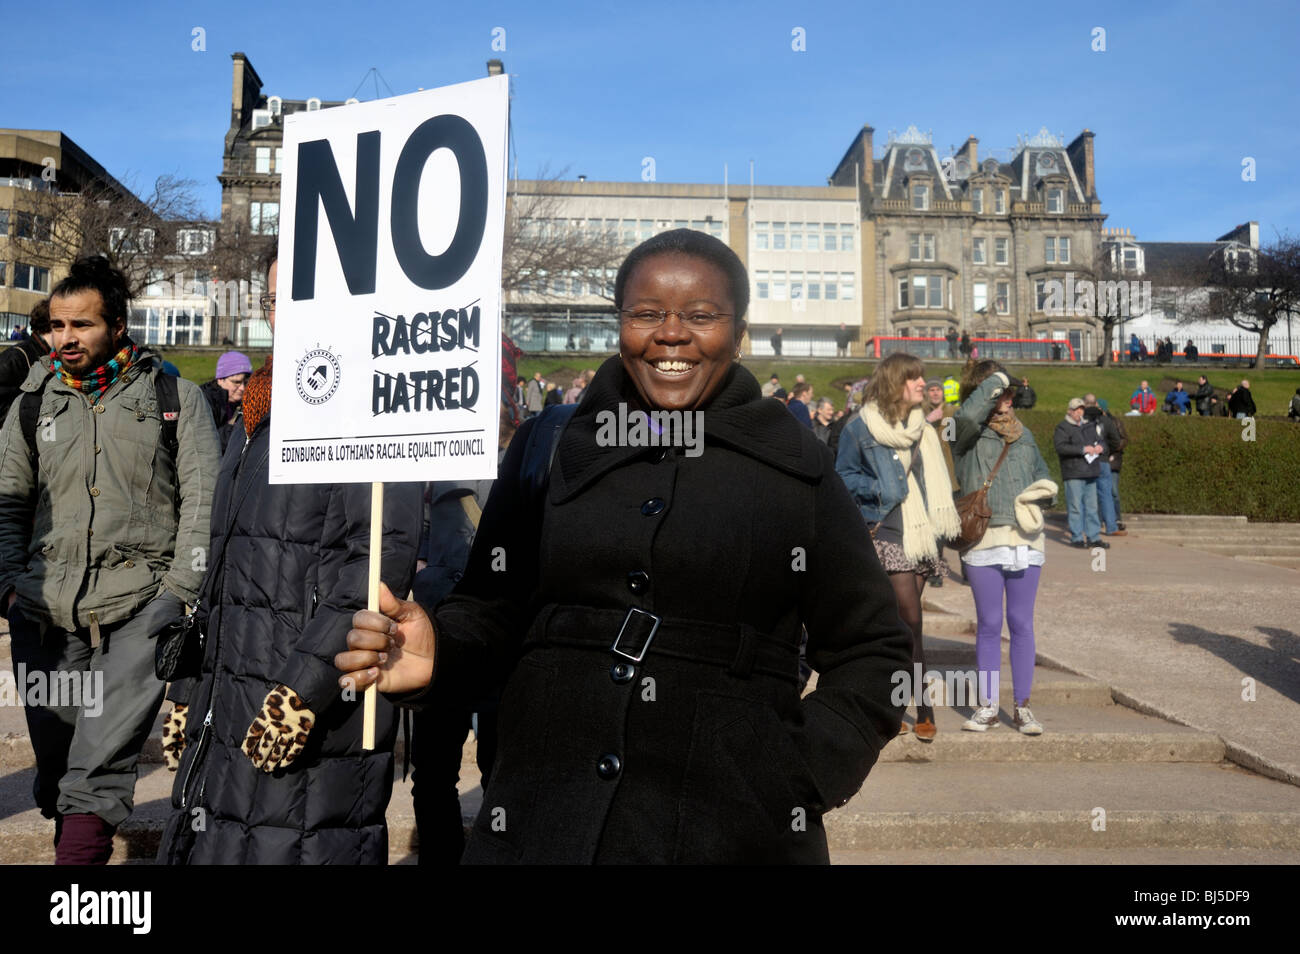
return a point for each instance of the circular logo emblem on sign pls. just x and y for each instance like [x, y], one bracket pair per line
[318, 376]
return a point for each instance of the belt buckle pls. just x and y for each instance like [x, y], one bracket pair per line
[654, 628]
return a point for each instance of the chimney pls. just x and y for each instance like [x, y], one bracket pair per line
[245, 88]
[970, 149]
[868, 163]
[1081, 155]
[495, 67]
[237, 84]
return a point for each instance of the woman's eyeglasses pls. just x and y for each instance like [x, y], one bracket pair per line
[646, 319]
[267, 302]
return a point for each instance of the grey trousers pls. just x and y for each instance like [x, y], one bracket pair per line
[89, 710]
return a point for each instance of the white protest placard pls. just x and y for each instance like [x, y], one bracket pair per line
[388, 326]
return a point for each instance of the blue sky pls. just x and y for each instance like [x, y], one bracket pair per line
[1181, 95]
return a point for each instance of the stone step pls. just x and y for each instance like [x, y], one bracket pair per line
[1184, 519]
[977, 805]
[1246, 548]
[1205, 541]
[955, 664]
[27, 838]
[1111, 734]
[946, 807]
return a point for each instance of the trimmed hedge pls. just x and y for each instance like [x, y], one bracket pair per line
[1197, 465]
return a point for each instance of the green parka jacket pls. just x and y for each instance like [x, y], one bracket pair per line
[977, 447]
[102, 515]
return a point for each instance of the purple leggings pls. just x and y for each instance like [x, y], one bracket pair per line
[987, 584]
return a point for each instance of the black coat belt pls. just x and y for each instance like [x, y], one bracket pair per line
[637, 635]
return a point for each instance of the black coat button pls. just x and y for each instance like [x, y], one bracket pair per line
[638, 581]
[609, 766]
[655, 505]
[622, 673]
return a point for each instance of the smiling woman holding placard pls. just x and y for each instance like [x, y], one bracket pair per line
[644, 608]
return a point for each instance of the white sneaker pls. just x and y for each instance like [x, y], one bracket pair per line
[1026, 723]
[985, 718]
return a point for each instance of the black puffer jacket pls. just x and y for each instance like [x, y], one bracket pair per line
[281, 600]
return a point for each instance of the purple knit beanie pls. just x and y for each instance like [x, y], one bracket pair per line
[233, 362]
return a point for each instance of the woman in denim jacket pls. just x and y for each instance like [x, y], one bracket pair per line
[892, 462]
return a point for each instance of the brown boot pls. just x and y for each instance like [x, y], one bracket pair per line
[86, 839]
[904, 728]
[925, 730]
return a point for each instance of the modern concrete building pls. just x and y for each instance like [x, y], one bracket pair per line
[798, 243]
[39, 168]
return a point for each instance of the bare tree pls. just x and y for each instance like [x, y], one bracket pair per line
[1251, 289]
[137, 235]
[1111, 301]
[542, 243]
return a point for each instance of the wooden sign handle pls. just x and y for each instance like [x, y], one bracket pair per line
[372, 604]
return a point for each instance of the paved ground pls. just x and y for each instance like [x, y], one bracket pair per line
[1175, 632]
[1167, 632]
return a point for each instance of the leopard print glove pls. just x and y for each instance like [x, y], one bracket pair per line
[173, 736]
[279, 731]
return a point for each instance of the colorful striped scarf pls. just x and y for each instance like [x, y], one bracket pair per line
[97, 381]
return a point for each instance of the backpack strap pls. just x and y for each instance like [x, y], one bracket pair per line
[539, 454]
[29, 413]
[169, 405]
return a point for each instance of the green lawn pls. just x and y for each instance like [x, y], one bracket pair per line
[199, 366]
[1054, 384]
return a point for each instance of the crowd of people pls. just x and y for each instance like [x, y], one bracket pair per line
[614, 588]
[1164, 353]
[1205, 400]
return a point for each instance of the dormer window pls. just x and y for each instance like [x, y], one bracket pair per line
[1240, 260]
[977, 201]
[194, 241]
[313, 105]
[920, 197]
[1055, 199]
[1000, 201]
[261, 118]
[274, 105]
[1127, 258]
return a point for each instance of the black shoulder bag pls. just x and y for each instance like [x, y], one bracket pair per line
[178, 654]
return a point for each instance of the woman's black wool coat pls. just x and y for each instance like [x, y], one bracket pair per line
[703, 751]
[289, 567]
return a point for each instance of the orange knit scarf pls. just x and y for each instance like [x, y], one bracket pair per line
[257, 397]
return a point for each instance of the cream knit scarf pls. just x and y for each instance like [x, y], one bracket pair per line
[920, 528]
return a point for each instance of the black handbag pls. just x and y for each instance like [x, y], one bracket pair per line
[178, 653]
